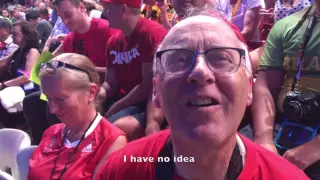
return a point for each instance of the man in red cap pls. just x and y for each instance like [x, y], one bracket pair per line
[130, 54]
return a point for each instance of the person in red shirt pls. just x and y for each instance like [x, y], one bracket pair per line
[130, 54]
[203, 84]
[88, 37]
[77, 147]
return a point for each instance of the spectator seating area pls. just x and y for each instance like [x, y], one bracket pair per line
[15, 151]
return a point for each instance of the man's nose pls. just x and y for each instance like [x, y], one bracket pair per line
[200, 73]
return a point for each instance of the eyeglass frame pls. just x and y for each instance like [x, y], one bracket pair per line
[64, 65]
[241, 52]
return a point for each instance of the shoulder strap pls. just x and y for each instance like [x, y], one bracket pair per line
[310, 14]
[165, 170]
[234, 11]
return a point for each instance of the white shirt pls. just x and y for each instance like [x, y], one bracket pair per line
[69, 144]
[226, 9]
[95, 13]
[10, 47]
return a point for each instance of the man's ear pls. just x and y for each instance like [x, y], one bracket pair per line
[93, 91]
[82, 7]
[155, 94]
[124, 8]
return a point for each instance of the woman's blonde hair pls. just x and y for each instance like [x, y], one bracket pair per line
[78, 79]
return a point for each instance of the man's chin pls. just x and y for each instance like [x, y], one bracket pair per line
[204, 134]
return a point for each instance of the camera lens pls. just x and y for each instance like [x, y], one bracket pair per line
[294, 110]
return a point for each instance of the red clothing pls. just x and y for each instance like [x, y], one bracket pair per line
[92, 43]
[260, 163]
[101, 137]
[127, 53]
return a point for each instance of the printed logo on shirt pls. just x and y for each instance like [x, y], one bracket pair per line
[78, 46]
[125, 57]
[310, 64]
[53, 145]
[88, 148]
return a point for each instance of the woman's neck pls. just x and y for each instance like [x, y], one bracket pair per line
[22, 46]
[77, 130]
[211, 162]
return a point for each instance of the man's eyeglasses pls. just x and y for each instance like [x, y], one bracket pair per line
[219, 60]
[55, 64]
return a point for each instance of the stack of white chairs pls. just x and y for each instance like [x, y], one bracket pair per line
[5, 176]
[12, 141]
[23, 162]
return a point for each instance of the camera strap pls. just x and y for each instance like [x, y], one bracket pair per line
[310, 14]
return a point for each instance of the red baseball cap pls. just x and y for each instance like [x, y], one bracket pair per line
[129, 3]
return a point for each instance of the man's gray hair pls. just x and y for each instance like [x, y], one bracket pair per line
[211, 11]
[205, 10]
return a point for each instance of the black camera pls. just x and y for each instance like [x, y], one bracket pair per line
[302, 107]
[53, 46]
[301, 123]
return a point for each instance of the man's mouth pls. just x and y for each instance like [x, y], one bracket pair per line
[202, 102]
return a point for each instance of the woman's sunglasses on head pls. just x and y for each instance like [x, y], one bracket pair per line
[55, 64]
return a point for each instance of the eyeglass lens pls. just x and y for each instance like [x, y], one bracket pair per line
[222, 60]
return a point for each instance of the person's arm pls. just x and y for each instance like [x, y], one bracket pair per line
[59, 27]
[101, 69]
[4, 62]
[251, 22]
[267, 87]
[269, 4]
[119, 143]
[149, 12]
[47, 44]
[155, 118]
[110, 85]
[305, 155]
[164, 15]
[58, 51]
[255, 56]
[32, 57]
[137, 94]
[265, 94]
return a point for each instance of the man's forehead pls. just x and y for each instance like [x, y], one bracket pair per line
[201, 21]
[64, 7]
[200, 27]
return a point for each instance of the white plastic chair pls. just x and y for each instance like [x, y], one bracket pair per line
[23, 158]
[5, 176]
[11, 143]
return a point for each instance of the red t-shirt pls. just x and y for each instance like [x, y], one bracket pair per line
[100, 137]
[92, 43]
[127, 53]
[260, 163]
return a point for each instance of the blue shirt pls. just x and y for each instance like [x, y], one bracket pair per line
[59, 28]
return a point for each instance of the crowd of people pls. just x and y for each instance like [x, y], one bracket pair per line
[229, 86]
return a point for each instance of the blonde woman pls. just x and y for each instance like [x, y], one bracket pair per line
[78, 146]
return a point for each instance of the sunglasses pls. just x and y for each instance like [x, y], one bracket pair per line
[55, 64]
